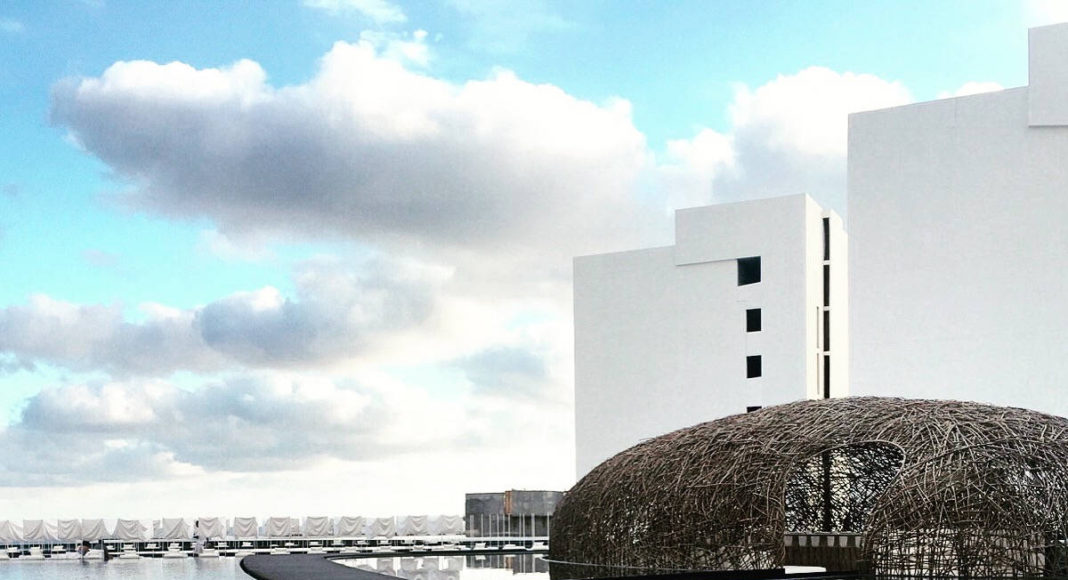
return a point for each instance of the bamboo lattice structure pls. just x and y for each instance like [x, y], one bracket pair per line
[937, 488]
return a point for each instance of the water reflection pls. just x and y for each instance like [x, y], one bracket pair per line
[490, 567]
[143, 569]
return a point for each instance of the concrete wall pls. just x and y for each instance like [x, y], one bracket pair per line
[660, 334]
[959, 246]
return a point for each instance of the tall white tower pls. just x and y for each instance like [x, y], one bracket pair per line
[747, 309]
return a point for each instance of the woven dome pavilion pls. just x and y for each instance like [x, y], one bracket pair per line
[933, 488]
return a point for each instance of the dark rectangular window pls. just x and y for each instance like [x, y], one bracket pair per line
[826, 376]
[826, 238]
[752, 366]
[748, 270]
[826, 330]
[752, 320]
[826, 284]
[752, 408]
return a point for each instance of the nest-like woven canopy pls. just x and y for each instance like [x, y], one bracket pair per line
[936, 488]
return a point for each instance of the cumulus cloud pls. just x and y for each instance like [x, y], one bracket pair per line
[96, 337]
[380, 11]
[126, 431]
[787, 136]
[367, 149]
[402, 47]
[336, 313]
[136, 430]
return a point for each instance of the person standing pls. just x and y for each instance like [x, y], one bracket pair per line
[198, 539]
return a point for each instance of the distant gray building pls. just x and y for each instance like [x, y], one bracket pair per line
[518, 513]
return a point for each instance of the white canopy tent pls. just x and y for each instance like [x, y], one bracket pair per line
[94, 529]
[211, 527]
[447, 526]
[173, 529]
[246, 528]
[277, 527]
[382, 527]
[413, 526]
[130, 530]
[38, 531]
[69, 530]
[9, 532]
[317, 527]
[350, 526]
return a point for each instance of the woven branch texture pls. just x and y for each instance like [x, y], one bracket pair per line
[936, 488]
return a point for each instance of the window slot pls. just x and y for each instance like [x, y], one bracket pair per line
[748, 270]
[752, 366]
[752, 320]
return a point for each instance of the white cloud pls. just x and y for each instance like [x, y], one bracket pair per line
[380, 11]
[807, 112]
[339, 311]
[367, 149]
[1042, 12]
[263, 422]
[787, 136]
[401, 47]
[971, 88]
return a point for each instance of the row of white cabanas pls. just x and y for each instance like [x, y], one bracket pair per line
[74, 530]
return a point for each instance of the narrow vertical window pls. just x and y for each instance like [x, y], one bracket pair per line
[752, 366]
[826, 284]
[826, 376]
[748, 270]
[826, 330]
[826, 238]
[752, 320]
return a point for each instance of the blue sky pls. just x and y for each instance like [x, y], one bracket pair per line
[333, 237]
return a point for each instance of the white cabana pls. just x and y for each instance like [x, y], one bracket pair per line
[130, 530]
[413, 526]
[350, 526]
[211, 527]
[69, 530]
[384, 527]
[38, 531]
[277, 527]
[317, 527]
[173, 529]
[294, 526]
[447, 526]
[9, 532]
[245, 528]
[94, 529]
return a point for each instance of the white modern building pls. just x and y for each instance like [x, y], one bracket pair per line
[747, 309]
[957, 278]
[958, 224]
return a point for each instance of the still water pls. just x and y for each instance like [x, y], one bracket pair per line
[143, 569]
[512, 567]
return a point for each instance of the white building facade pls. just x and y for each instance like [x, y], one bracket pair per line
[958, 221]
[747, 309]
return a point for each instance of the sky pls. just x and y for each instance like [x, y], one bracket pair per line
[314, 257]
